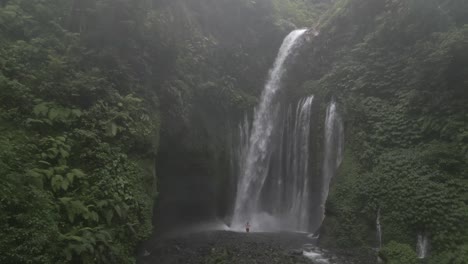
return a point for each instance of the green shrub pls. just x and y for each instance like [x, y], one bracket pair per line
[396, 253]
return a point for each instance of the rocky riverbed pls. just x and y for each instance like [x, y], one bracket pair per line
[222, 247]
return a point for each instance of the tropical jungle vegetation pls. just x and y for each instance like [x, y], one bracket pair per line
[103, 102]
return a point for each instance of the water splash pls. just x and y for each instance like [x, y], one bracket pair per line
[316, 257]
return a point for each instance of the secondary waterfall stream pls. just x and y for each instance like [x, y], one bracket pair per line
[379, 230]
[276, 188]
[333, 155]
[422, 246]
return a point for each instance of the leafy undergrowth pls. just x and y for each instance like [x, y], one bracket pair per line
[75, 147]
[399, 72]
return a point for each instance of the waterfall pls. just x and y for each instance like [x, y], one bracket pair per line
[296, 191]
[379, 229]
[422, 246]
[276, 189]
[288, 192]
[333, 145]
[256, 161]
[241, 146]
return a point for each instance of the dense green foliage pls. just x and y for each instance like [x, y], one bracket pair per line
[303, 13]
[399, 70]
[88, 89]
[394, 253]
[75, 142]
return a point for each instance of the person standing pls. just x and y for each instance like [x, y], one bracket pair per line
[247, 227]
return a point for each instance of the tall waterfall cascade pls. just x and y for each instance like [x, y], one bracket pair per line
[272, 157]
[255, 169]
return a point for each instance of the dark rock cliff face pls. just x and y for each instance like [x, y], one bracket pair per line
[216, 78]
[398, 70]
